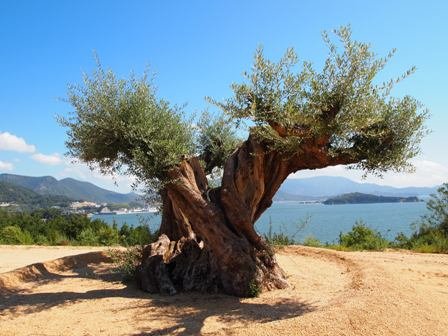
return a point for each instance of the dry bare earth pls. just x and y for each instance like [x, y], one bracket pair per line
[332, 293]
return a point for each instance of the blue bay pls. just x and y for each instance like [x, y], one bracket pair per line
[325, 221]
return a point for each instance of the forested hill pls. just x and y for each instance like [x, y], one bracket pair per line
[10, 193]
[359, 198]
[68, 187]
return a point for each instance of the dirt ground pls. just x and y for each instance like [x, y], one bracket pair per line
[331, 293]
[12, 257]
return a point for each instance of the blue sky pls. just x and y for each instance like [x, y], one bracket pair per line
[197, 49]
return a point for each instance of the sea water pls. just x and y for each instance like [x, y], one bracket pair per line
[324, 222]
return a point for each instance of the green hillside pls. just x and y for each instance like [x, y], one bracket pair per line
[26, 198]
[68, 187]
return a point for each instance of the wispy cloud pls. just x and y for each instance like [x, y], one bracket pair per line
[11, 142]
[6, 166]
[53, 159]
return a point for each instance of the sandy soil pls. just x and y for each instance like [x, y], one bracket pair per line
[12, 257]
[331, 293]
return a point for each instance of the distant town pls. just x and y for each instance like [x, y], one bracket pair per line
[92, 208]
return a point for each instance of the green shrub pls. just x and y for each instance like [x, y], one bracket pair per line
[362, 237]
[430, 240]
[57, 238]
[401, 241]
[126, 261]
[279, 239]
[14, 235]
[40, 239]
[108, 236]
[432, 230]
[254, 289]
[312, 241]
[141, 235]
[87, 237]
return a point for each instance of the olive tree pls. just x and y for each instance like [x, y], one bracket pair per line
[296, 118]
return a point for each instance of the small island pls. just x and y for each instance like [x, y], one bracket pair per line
[360, 198]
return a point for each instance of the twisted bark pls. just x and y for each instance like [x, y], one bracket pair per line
[208, 241]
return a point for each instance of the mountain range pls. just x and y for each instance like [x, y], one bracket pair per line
[322, 187]
[306, 189]
[68, 187]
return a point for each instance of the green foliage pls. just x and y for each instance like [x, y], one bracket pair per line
[362, 237]
[119, 125]
[312, 241]
[139, 235]
[126, 261]
[401, 241]
[216, 141]
[14, 235]
[28, 199]
[279, 239]
[108, 236]
[56, 237]
[432, 241]
[40, 239]
[429, 240]
[87, 237]
[438, 211]
[432, 230]
[51, 227]
[341, 105]
[254, 290]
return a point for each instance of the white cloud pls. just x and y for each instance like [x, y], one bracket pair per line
[52, 160]
[4, 166]
[10, 142]
[427, 173]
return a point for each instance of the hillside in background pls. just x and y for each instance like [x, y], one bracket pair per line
[307, 189]
[10, 193]
[328, 186]
[68, 187]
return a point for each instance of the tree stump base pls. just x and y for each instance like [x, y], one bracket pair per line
[169, 267]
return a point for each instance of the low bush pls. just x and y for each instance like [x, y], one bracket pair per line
[279, 239]
[14, 235]
[312, 241]
[361, 237]
[431, 233]
[87, 237]
[254, 290]
[52, 227]
[126, 261]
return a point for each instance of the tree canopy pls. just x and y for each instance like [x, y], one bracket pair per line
[340, 107]
[120, 125]
[297, 118]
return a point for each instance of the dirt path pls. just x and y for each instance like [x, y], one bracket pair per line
[331, 293]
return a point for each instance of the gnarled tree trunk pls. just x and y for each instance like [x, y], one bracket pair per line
[208, 241]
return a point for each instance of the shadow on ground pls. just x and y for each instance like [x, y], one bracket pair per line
[187, 313]
[183, 314]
